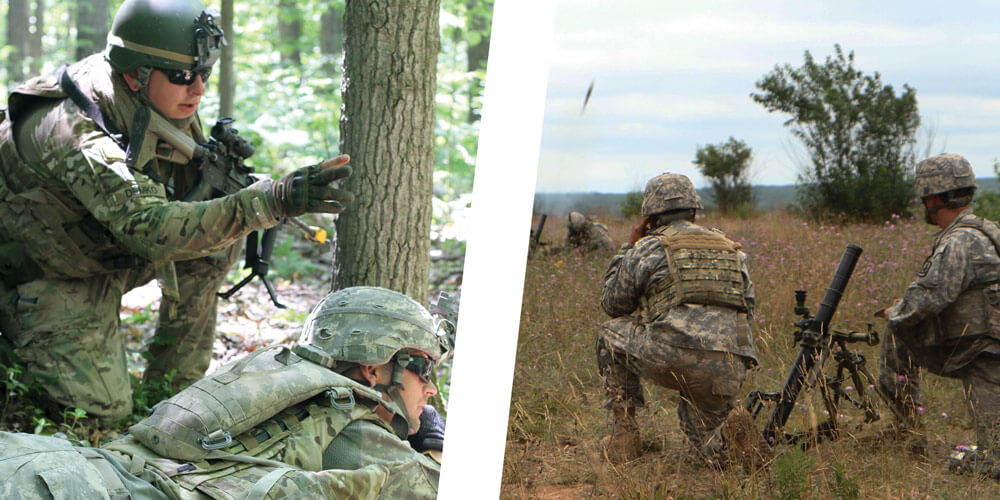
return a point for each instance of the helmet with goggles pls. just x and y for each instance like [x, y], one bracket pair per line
[179, 36]
[368, 325]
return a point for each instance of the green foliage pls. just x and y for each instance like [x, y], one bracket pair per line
[727, 166]
[844, 486]
[987, 203]
[791, 471]
[859, 134]
[146, 393]
[632, 204]
[289, 263]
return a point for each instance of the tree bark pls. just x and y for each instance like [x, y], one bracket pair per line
[227, 75]
[390, 71]
[91, 26]
[17, 38]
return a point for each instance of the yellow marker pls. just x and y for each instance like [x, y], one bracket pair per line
[319, 235]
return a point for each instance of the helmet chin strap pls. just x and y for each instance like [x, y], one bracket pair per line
[393, 389]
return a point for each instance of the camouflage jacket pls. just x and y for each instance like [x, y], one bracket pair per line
[593, 236]
[79, 209]
[34, 467]
[954, 303]
[636, 270]
[365, 459]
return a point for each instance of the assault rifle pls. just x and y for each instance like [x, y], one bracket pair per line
[818, 342]
[222, 171]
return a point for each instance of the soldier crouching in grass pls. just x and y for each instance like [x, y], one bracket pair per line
[948, 320]
[586, 233]
[680, 297]
[344, 415]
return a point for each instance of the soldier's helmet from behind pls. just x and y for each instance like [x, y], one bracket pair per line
[576, 221]
[367, 326]
[669, 192]
[168, 34]
[942, 174]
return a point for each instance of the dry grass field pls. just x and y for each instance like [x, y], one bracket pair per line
[556, 419]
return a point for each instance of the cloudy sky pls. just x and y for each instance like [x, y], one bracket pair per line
[672, 76]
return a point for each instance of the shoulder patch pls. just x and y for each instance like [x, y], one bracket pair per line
[111, 151]
[926, 267]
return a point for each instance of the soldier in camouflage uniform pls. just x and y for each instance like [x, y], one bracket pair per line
[88, 211]
[681, 297]
[299, 425]
[587, 233]
[948, 320]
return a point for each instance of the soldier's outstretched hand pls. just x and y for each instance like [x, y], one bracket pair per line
[310, 189]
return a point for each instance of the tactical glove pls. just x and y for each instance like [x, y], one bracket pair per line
[430, 436]
[309, 189]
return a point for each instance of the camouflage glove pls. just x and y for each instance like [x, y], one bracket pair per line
[309, 190]
[430, 436]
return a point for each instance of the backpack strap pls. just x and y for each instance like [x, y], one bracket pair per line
[89, 107]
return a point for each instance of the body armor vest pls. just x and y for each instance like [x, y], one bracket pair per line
[44, 234]
[976, 311]
[704, 269]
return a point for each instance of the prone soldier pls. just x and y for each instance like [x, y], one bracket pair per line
[680, 297]
[948, 320]
[88, 210]
[344, 414]
[586, 233]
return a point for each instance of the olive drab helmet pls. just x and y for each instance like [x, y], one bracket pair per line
[368, 325]
[576, 222]
[669, 192]
[169, 34]
[943, 173]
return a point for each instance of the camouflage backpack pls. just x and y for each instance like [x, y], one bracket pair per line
[210, 415]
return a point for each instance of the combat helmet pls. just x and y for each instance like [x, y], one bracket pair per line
[368, 325]
[942, 174]
[169, 34]
[576, 222]
[668, 192]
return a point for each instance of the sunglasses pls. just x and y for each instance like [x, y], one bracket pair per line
[421, 367]
[186, 76]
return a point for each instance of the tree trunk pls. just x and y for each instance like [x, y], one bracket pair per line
[390, 71]
[478, 20]
[289, 31]
[35, 38]
[227, 76]
[91, 26]
[17, 38]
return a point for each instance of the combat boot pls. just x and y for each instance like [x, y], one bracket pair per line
[624, 443]
[971, 460]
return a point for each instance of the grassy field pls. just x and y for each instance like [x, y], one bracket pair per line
[556, 419]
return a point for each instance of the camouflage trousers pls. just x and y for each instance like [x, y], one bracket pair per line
[36, 467]
[68, 332]
[708, 381]
[899, 379]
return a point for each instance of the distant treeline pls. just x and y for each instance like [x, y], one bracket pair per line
[768, 198]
